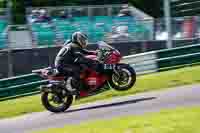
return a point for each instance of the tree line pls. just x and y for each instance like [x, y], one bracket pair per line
[151, 7]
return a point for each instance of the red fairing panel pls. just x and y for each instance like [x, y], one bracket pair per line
[113, 58]
[95, 80]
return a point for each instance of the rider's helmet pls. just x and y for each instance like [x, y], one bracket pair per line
[79, 38]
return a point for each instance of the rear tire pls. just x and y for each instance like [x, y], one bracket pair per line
[125, 69]
[49, 107]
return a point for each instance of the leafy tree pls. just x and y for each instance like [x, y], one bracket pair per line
[151, 7]
[18, 11]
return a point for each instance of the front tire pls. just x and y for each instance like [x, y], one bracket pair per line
[127, 75]
[65, 104]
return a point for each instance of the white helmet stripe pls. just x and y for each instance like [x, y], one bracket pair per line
[79, 38]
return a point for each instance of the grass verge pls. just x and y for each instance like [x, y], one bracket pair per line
[181, 120]
[156, 81]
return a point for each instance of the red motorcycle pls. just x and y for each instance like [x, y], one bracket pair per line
[56, 98]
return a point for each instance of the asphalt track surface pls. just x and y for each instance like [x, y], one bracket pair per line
[138, 104]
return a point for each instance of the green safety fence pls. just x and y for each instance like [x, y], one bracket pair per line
[178, 56]
[27, 85]
[20, 86]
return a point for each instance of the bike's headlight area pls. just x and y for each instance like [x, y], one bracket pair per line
[102, 54]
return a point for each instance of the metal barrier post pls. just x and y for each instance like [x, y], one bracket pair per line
[168, 22]
[10, 59]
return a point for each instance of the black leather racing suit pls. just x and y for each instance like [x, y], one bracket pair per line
[70, 58]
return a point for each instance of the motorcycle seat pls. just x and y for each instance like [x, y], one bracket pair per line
[55, 75]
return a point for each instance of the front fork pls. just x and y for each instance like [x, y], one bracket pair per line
[116, 71]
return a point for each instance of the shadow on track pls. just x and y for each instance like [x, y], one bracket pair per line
[111, 104]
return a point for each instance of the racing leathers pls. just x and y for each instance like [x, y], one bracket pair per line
[71, 60]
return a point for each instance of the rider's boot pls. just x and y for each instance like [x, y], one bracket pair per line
[73, 90]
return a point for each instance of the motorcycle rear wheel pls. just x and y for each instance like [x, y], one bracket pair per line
[58, 100]
[127, 75]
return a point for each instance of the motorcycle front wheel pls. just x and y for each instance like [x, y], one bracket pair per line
[124, 79]
[56, 103]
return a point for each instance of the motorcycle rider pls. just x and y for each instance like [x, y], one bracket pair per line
[71, 59]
